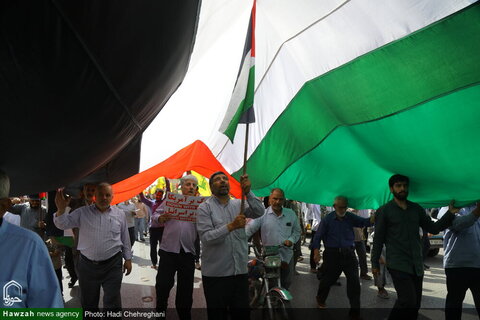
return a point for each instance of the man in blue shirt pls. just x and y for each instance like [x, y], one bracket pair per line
[336, 231]
[280, 227]
[461, 259]
[27, 275]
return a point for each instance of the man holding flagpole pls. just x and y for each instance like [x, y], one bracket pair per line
[221, 227]
[221, 220]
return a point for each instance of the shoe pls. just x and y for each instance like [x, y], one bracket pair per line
[198, 266]
[320, 304]
[365, 277]
[313, 270]
[425, 267]
[72, 282]
[382, 293]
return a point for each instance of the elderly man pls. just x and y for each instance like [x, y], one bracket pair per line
[102, 243]
[279, 227]
[336, 232]
[397, 226]
[24, 254]
[225, 247]
[177, 255]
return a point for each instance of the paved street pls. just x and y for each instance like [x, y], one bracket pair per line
[138, 291]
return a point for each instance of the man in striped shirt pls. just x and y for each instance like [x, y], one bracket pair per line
[103, 241]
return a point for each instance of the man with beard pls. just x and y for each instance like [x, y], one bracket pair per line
[336, 231]
[102, 243]
[221, 227]
[397, 226]
[177, 255]
[32, 215]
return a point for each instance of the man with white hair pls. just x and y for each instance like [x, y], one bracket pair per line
[24, 254]
[336, 232]
[177, 255]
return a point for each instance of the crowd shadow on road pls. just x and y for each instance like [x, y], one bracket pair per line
[141, 262]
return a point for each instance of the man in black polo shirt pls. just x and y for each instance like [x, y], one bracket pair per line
[397, 226]
[336, 231]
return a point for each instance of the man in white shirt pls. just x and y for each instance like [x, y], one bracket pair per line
[279, 227]
[103, 241]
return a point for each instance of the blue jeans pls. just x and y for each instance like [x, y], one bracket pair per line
[139, 228]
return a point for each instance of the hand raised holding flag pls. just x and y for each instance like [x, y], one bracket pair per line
[245, 184]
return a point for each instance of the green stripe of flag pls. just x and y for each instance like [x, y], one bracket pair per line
[432, 144]
[429, 63]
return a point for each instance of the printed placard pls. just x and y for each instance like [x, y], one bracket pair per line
[182, 207]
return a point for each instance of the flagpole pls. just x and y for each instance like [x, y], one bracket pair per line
[250, 115]
[240, 108]
[242, 205]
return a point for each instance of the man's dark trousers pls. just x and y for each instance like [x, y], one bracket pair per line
[362, 256]
[227, 295]
[107, 275]
[459, 280]
[183, 264]
[313, 264]
[70, 264]
[155, 240]
[409, 294]
[336, 260]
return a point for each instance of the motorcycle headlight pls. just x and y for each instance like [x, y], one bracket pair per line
[273, 262]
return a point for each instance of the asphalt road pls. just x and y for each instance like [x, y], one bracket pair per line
[138, 291]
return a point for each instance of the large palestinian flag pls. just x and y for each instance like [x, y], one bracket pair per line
[348, 93]
[374, 88]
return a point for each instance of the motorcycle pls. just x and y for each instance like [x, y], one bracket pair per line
[265, 290]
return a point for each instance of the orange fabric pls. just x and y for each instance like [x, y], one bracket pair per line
[197, 156]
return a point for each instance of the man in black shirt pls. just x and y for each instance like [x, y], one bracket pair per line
[397, 226]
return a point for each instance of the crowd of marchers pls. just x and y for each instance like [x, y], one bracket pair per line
[96, 240]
